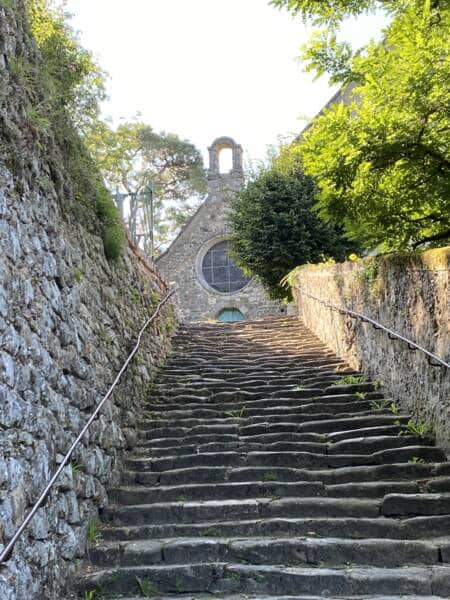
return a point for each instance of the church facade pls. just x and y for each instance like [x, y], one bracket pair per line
[211, 286]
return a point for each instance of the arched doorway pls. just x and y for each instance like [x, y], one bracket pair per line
[230, 315]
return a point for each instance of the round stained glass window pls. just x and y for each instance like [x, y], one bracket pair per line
[220, 272]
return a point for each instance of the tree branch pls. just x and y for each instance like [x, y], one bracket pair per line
[432, 238]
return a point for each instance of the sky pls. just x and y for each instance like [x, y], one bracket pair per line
[208, 68]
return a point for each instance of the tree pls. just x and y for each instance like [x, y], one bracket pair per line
[331, 12]
[134, 159]
[382, 162]
[274, 227]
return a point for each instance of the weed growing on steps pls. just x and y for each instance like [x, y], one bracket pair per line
[146, 587]
[351, 380]
[420, 429]
[236, 414]
[93, 536]
[151, 416]
[179, 586]
[377, 384]
[91, 595]
[379, 404]
[394, 410]
[211, 532]
[360, 395]
[415, 460]
[269, 476]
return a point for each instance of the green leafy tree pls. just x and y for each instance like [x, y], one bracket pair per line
[134, 158]
[62, 87]
[382, 161]
[73, 82]
[274, 227]
[331, 12]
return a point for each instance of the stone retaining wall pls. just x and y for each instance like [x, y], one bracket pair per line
[409, 294]
[68, 319]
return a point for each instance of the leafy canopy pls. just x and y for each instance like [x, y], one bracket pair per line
[382, 162]
[74, 84]
[64, 86]
[274, 227]
[331, 12]
[134, 157]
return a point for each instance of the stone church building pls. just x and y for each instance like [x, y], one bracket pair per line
[211, 286]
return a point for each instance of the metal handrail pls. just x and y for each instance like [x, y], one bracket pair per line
[439, 362]
[7, 551]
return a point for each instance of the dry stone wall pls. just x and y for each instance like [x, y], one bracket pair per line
[409, 294]
[68, 319]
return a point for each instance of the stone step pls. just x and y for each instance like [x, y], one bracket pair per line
[414, 528]
[238, 401]
[401, 505]
[183, 493]
[356, 474]
[288, 459]
[357, 446]
[197, 440]
[269, 550]
[184, 418]
[310, 424]
[228, 510]
[140, 494]
[255, 579]
[277, 597]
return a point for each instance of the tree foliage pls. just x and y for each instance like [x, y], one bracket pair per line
[331, 12]
[134, 158]
[73, 82]
[382, 162]
[274, 227]
[64, 86]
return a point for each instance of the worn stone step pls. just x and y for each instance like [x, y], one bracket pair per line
[227, 510]
[255, 407]
[242, 579]
[143, 495]
[236, 446]
[243, 420]
[162, 443]
[355, 474]
[146, 495]
[325, 424]
[277, 597]
[266, 551]
[414, 528]
[358, 446]
[189, 402]
[402, 505]
[288, 459]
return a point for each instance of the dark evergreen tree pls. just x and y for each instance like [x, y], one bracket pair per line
[275, 228]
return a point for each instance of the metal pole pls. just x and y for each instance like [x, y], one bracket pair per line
[152, 224]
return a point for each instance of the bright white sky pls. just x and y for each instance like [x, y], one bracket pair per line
[207, 68]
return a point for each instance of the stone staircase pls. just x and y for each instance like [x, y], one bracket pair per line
[259, 475]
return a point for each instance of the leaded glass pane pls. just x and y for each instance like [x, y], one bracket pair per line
[219, 270]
